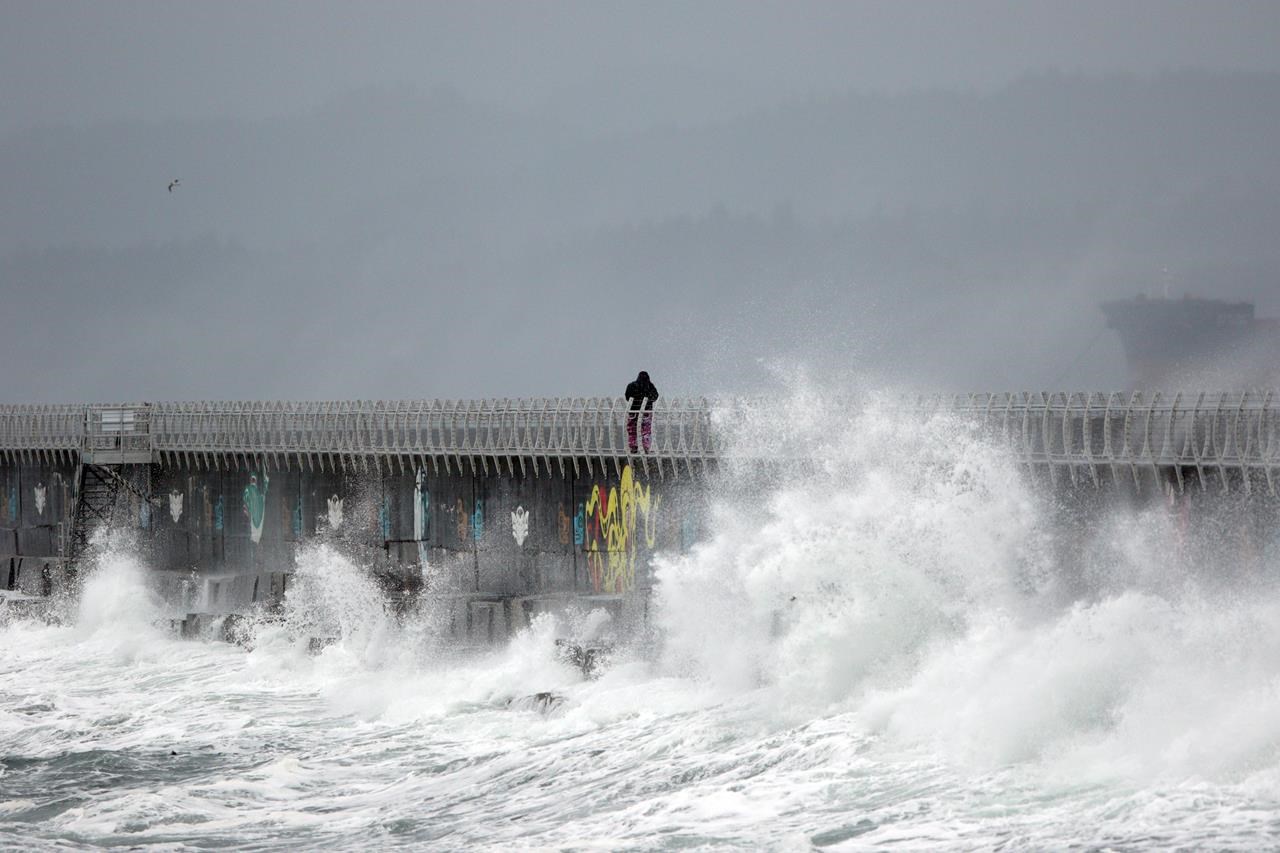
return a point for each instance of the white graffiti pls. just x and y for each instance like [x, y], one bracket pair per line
[520, 525]
[335, 512]
[175, 505]
[41, 494]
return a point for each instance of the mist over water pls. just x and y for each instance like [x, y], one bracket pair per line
[906, 642]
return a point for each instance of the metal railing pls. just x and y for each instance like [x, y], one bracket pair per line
[54, 429]
[1210, 433]
[539, 429]
[118, 433]
[1078, 434]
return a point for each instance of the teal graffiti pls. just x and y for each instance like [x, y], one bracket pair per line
[687, 534]
[421, 514]
[297, 517]
[477, 520]
[13, 502]
[255, 504]
[217, 514]
[580, 525]
[144, 515]
[421, 508]
[384, 519]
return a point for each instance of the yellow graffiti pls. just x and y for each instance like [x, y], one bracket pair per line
[614, 532]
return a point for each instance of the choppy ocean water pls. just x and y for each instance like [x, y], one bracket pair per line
[899, 650]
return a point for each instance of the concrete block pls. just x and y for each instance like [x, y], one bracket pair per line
[518, 614]
[216, 591]
[36, 541]
[197, 626]
[241, 596]
[487, 622]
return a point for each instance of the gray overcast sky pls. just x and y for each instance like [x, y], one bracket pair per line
[515, 199]
[74, 62]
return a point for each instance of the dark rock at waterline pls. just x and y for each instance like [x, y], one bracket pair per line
[590, 659]
[316, 645]
[237, 628]
[543, 703]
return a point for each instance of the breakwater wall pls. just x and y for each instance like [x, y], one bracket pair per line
[529, 500]
[499, 500]
[498, 535]
[37, 506]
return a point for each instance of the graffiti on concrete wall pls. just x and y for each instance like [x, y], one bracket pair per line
[254, 500]
[564, 526]
[470, 525]
[175, 505]
[477, 520]
[291, 512]
[463, 521]
[520, 525]
[580, 525]
[218, 513]
[334, 516]
[618, 521]
[688, 533]
[42, 494]
[421, 514]
[13, 503]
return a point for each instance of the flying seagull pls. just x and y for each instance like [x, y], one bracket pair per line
[173, 184]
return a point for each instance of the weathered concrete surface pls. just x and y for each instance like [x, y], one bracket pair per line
[37, 501]
[505, 545]
[500, 535]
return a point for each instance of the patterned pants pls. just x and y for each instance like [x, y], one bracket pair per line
[646, 430]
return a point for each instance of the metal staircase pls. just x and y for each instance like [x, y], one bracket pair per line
[99, 490]
[96, 495]
[114, 436]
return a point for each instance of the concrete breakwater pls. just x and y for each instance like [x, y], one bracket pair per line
[510, 507]
[506, 507]
[502, 543]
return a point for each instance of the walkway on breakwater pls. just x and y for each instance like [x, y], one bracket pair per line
[1222, 437]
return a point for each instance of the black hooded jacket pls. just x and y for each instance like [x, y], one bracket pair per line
[641, 393]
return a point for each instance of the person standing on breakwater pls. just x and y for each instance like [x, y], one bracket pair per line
[641, 394]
